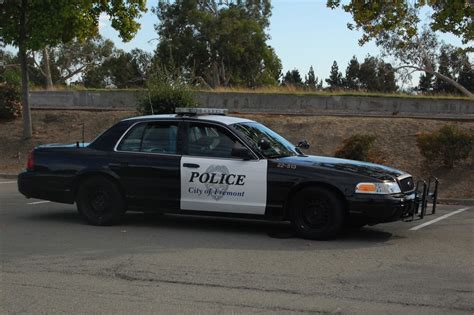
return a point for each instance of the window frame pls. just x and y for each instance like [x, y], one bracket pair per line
[228, 131]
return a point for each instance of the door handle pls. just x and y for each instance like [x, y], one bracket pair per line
[190, 165]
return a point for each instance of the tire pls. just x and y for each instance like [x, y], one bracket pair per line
[317, 213]
[99, 201]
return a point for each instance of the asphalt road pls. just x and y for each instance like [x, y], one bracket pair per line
[53, 263]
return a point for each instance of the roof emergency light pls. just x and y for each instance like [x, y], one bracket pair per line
[193, 111]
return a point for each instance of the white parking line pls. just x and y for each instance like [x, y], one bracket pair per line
[37, 202]
[11, 182]
[439, 219]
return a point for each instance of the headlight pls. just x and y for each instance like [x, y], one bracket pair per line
[378, 188]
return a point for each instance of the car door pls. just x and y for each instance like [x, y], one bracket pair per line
[147, 160]
[215, 181]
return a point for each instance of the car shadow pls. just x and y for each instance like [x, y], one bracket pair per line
[251, 230]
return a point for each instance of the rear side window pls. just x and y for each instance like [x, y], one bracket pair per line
[155, 137]
[131, 141]
[160, 138]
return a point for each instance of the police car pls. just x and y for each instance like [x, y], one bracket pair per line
[201, 161]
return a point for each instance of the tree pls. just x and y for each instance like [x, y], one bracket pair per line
[335, 77]
[386, 77]
[32, 25]
[466, 76]
[311, 80]
[426, 83]
[368, 74]
[352, 73]
[395, 27]
[453, 17]
[377, 17]
[377, 76]
[444, 69]
[122, 70]
[292, 78]
[75, 58]
[217, 43]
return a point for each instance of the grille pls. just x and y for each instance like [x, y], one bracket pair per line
[407, 184]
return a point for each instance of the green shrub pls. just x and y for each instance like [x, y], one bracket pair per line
[164, 94]
[359, 147]
[10, 104]
[447, 145]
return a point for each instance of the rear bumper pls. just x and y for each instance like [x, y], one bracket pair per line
[382, 208]
[45, 186]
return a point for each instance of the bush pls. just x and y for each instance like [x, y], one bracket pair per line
[164, 95]
[359, 147]
[10, 104]
[448, 145]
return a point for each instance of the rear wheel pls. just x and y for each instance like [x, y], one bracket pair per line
[317, 213]
[100, 201]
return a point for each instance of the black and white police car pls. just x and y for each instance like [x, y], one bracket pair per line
[200, 161]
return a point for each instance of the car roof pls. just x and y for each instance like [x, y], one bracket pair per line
[227, 120]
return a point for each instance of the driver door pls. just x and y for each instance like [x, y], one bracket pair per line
[215, 181]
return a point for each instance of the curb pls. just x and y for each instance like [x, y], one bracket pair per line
[456, 201]
[8, 176]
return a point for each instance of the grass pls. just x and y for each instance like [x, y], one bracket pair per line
[290, 90]
[285, 90]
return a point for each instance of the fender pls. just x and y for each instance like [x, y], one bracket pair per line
[311, 183]
[95, 171]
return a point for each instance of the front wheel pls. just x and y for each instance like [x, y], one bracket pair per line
[317, 213]
[99, 201]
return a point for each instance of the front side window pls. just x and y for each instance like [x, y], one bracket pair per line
[210, 140]
[154, 137]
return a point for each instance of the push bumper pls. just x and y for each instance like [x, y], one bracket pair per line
[389, 208]
[44, 186]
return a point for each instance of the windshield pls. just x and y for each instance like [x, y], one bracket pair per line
[255, 132]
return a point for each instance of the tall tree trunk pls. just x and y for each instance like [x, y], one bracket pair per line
[27, 128]
[215, 75]
[47, 69]
[430, 70]
[454, 83]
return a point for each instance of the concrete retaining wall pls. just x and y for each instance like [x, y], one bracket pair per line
[269, 103]
[85, 99]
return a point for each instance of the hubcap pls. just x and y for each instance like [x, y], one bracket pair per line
[316, 213]
[98, 200]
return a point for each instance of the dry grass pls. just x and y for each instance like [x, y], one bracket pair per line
[293, 90]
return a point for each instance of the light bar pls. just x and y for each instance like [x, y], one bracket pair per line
[200, 111]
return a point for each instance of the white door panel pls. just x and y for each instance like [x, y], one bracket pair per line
[223, 185]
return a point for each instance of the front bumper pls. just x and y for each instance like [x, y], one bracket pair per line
[383, 208]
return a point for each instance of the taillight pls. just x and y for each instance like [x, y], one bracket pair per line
[30, 165]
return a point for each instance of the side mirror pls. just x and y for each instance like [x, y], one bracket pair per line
[242, 153]
[264, 144]
[303, 144]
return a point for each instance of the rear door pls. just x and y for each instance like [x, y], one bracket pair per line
[147, 160]
[215, 181]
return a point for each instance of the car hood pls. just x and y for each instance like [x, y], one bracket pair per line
[377, 171]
